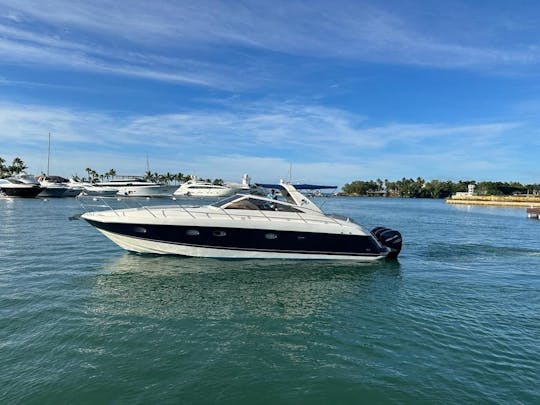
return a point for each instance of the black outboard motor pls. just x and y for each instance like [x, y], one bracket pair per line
[390, 238]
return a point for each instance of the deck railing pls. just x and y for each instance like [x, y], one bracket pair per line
[118, 206]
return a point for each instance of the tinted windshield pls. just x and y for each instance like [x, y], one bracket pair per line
[225, 201]
[263, 205]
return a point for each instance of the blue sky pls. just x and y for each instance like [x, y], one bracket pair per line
[340, 90]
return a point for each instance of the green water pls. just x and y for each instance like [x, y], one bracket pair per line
[456, 320]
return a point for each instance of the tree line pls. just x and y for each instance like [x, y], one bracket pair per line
[167, 178]
[420, 188]
[18, 166]
[406, 188]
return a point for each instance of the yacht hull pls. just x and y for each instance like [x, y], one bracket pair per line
[21, 192]
[53, 192]
[145, 191]
[240, 243]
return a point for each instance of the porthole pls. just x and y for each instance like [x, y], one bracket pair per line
[139, 229]
[219, 233]
[301, 237]
[270, 236]
[192, 232]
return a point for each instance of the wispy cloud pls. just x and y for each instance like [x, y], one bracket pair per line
[185, 42]
[257, 136]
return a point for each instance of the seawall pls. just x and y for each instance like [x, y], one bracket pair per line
[502, 201]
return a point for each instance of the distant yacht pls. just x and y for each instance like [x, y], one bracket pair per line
[58, 187]
[22, 185]
[137, 187]
[198, 188]
[92, 189]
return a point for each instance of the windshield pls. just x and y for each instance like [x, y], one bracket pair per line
[225, 201]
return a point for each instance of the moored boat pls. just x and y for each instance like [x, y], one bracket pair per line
[22, 185]
[58, 187]
[201, 188]
[137, 187]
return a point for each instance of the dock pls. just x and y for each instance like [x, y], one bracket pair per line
[533, 213]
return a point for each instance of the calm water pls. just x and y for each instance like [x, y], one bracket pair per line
[456, 320]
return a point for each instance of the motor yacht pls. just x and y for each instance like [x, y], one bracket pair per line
[21, 185]
[94, 190]
[58, 187]
[137, 187]
[200, 188]
[246, 226]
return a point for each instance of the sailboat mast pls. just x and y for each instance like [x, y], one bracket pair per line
[49, 154]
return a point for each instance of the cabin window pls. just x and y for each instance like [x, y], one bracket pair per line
[219, 233]
[139, 229]
[192, 232]
[270, 236]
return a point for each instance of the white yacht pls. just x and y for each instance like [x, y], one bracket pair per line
[94, 190]
[246, 226]
[21, 185]
[199, 188]
[137, 187]
[58, 187]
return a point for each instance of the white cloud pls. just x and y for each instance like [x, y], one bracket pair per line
[260, 138]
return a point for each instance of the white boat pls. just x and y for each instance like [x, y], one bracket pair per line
[58, 187]
[137, 187]
[246, 226]
[21, 185]
[199, 188]
[94, 190]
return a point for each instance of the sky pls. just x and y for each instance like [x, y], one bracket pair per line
[319, 91]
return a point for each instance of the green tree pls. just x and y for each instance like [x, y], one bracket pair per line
[17, 166]
[3, 168]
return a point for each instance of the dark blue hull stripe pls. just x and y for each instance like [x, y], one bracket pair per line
[249, 239]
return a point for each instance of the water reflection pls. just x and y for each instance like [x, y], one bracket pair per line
[172, 287]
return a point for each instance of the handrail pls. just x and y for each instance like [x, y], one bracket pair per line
[195, 213]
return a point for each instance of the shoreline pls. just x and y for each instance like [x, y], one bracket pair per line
[498, 201]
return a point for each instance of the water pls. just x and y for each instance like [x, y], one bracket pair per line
[456, 320]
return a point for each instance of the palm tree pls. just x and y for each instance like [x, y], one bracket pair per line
[89, 171]
[17, 166]
[110, 173]
[2, 167]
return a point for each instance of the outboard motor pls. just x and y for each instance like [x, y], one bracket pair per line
[390, 238]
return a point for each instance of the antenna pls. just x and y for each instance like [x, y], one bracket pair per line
[290, 172]
[49, 154]
[147, 164]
